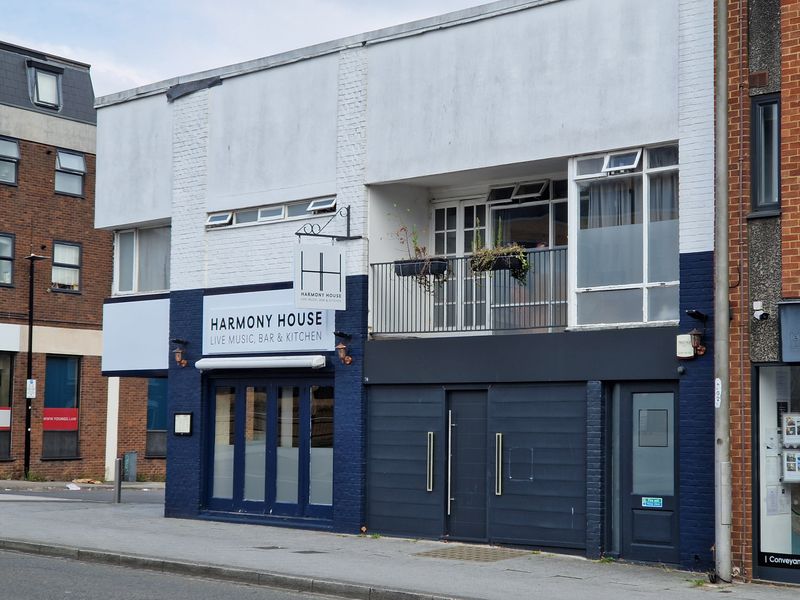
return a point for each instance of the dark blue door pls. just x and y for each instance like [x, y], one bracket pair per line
[466, 506]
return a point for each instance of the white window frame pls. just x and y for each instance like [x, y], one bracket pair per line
[574, 232]
[36, 71]
[135, 266]
[607, 168]
[219, 219]
[322, 204]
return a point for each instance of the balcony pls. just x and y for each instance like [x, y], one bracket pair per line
[463, 301]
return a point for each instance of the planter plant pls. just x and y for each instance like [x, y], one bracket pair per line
[428, 270]
[501, 257]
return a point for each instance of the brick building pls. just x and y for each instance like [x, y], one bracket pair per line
[764, 254]
[47, 181]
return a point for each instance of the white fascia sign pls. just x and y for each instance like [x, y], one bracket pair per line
[319, 277]
[265, 322]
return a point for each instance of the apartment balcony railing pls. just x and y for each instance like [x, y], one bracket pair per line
[463, 301]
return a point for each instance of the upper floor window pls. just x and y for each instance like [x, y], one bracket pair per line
[273, 212]
[142, 260]
[70, 169]
[66, 267]
[45, 85]
[9, 157]
[627, 239]
[6, 259]
[766, 153]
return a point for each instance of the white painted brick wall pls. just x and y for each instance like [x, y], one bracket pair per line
[189, 167]
[696, 124]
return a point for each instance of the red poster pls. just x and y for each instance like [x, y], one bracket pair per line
[5, 419]
[60, 419]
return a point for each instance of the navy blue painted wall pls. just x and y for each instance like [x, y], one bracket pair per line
[595, 469]
[349, 419]
[696, 414]
[184, 465]
[186, 470]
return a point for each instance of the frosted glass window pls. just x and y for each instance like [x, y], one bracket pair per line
[224, 440]
[653, 449]
[9, 155]
[665, 156]
[613, 306]
[321, 467]
[663, 259]
[766, 154]
[154, 256]
[255, 443]
[288, 445]
[610, 237]
[6, 260]
[663, 303]
[69, 183]
[125, 254]
[590, 166]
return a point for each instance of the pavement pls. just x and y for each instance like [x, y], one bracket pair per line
[370, 567]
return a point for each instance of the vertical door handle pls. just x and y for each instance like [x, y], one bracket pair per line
[429, 475]
[498, 464]
[449, 459]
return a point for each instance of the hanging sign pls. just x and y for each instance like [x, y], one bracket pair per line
[60, 419]
[263, 322]
[319, 277]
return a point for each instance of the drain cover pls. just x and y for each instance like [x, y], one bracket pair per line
[474, 553]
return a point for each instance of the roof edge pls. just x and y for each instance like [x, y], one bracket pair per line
[40, 55]
[386, 34]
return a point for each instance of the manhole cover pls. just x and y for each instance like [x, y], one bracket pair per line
[474, 553]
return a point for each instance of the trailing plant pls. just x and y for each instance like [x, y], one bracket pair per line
[511, 257]
[427, 270]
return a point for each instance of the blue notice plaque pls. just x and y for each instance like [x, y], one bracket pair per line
[652, 502]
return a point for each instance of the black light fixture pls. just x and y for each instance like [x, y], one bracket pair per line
[178, 351]
[341, 348]
[696, 334]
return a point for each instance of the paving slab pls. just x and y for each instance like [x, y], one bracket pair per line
[374, 567]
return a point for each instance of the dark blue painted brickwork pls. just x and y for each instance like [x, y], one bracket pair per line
[184, 465]
[349, 422]
[186, 471]
[696, 414]
[595, 469]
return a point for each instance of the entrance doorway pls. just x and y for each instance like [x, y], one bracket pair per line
[646, 473]
[271, 447]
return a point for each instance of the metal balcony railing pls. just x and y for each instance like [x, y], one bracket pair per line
[461, 300]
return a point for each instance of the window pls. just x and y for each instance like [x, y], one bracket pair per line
[60, 413]
[6, 259]
[627, 251]
[46, 88]
[66, 267]
[70, 169]
[9, 157]
[766, 153]
[5, 404]
[273, 212]
[142, 260]
[156, 443]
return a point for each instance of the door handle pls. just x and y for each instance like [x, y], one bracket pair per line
[429, 474]
[449, 459]
[498, 464]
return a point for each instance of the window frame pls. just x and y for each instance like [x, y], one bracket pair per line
[135, 266]
[61, 169]
[758, 103]
[149, 452]
[78, 267]
[14, 160]
[644, 172]
[10, 259]
[57, 73]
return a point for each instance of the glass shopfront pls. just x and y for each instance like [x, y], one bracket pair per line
[778, 468]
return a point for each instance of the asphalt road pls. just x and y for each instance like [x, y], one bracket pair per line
[28, 577]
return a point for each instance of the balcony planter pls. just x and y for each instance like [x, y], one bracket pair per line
[512, 258]
[416, 267]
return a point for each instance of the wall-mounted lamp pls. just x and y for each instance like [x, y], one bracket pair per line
[690, 345]
[179, 350]
[341, 348]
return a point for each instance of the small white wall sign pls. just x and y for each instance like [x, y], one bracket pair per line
[30, 388]
[319, 277]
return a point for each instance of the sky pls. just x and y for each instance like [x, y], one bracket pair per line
[130, 43]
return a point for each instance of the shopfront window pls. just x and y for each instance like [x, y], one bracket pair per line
[779, 467]
[5, 405]
[321, 458]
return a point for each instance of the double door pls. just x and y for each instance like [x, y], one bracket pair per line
[270, 447]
